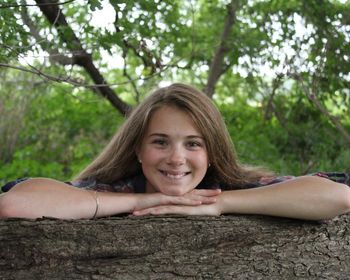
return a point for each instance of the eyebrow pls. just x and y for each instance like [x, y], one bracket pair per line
[165, 135]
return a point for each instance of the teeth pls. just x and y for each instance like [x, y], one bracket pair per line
[174, 176]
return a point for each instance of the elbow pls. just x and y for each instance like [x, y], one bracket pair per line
[335, 197]
[346, 199]
[10, 206]
[343, 200]
[6, 206]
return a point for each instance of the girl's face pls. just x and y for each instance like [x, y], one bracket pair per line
[173, 153]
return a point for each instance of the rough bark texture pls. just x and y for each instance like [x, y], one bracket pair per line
[170, 247]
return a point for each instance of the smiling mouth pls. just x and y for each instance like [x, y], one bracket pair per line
[177, 175]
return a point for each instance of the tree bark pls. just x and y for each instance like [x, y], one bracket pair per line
[175, 247]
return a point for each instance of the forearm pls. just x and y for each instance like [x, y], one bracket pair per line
[40, 197]
[310, 198]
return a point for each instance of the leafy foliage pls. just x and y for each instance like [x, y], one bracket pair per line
[277, 55]
[61, 131]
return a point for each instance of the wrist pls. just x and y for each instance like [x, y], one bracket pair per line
[116, 203]
[146, 200]
[230, 202]
[220, 203]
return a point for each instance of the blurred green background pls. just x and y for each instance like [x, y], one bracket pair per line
[282, 81]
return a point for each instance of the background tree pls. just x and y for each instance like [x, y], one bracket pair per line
[68, 79]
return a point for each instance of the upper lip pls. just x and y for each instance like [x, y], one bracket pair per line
[171, 172]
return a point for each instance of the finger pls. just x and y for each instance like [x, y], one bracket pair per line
[180, 210]
[208, 200]
[204, 196]
[182, 200]
[162, 210]
[195, 200]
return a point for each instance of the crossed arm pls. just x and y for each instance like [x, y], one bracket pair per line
[306, 197]
[35, 198]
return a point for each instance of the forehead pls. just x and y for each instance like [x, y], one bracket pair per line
[172, 120]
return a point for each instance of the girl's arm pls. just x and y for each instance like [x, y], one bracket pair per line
[35, 198]
[309, 198]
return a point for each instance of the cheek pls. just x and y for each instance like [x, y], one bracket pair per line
[201, 161]
[151, 158]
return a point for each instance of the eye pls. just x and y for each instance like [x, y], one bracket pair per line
[194, 144]
[159, 142]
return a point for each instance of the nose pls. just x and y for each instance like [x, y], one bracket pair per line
[176, 156]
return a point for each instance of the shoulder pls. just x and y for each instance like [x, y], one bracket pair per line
[128, 185]
[337, 177]
[264, 181]
[11, 184]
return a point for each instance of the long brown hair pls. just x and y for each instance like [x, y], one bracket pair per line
[118, 159]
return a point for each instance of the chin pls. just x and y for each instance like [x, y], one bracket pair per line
[174, 192]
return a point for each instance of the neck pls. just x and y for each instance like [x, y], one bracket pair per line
[149, 188]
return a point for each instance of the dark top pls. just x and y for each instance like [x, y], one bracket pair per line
[137, 184]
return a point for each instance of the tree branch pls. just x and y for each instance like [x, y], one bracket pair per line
[74, 82]
[270, 106]
[55, 56]
[132, 82]
[34, 5]
[80, 56]
[215, 70]
[46, 76]
[312, 96]
[141, 50]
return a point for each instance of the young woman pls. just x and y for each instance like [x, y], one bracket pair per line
[173, 155]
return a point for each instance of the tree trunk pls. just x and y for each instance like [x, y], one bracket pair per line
[173, 247]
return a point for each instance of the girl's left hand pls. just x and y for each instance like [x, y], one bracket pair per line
[204, 209]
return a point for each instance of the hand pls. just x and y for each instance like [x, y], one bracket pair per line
[204, 196]
[192, 198]
[196, 202]
[205, 209]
